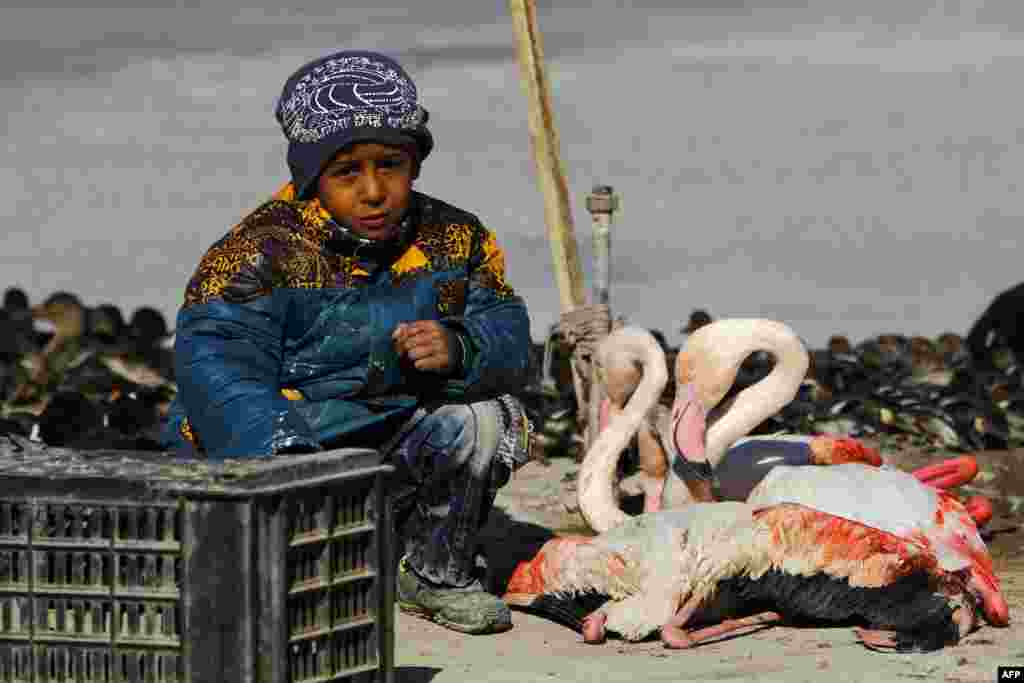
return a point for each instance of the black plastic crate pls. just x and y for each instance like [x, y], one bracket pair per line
[129, 567]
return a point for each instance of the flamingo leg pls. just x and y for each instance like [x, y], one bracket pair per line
[654, 465]
[949, 473]
[876, 639]
[692, 638]
[594, 628]
[672, 633]
[654, 490]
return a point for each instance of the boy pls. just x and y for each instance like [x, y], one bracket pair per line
[351, 310]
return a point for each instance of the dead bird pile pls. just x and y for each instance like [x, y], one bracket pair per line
[85, 377]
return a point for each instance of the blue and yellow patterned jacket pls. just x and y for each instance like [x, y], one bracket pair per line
[284, 340]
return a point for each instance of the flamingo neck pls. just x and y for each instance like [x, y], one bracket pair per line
[760, 401]
[595, 485]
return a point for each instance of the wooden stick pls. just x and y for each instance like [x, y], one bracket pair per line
[544, 138]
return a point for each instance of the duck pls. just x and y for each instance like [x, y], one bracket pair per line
[66, 314]
[71, 420]
[148, 334]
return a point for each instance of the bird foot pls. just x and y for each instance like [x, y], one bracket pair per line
[594, 628]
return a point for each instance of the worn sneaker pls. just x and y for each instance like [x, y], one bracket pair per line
[468, 610]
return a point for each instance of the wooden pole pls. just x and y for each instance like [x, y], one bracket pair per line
[544, 138]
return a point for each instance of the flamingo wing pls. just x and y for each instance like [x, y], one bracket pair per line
[898, 503]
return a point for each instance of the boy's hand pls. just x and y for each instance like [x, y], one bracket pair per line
[426, 343]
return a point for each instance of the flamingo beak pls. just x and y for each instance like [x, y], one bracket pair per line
[993, 604]
[689, 424]
[968, 615]
[603, 414]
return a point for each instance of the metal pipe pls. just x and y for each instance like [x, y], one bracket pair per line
[602, 203]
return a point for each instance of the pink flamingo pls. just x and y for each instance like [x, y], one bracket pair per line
[812, 526]
[699, 429]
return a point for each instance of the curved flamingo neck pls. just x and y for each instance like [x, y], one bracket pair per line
[756, 403]
[595, 485]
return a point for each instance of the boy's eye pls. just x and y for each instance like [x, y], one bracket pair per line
[345, 169]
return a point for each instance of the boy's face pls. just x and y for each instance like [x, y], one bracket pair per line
[367, 186]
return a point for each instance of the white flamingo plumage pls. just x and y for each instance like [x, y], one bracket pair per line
[718, 350]
[704, 373]
[705, 431]
[898, 503]
[669, 570]
[933, 525]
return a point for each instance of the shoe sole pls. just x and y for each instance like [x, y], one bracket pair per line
[417, 611]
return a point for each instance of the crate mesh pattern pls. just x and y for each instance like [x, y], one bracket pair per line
[150, 569]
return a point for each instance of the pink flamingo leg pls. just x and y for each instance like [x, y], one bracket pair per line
[654, 465]
[876, 638]
[692, 638]
[653, 492]
[593, 628]
[672, 633]
[948, 473]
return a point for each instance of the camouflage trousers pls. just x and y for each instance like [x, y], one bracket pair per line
[450, 461]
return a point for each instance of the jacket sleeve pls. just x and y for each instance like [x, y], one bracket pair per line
[228, 351]
[495, 324]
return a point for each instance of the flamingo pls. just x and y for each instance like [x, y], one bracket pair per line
[634, 364]
[641, 563]
[621, 373]
[703, 429]
[713, 347]
[704, 372]
[905, 504]
[717, 564]
[899, 503]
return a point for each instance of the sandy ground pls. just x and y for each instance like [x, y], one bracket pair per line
[529, 510]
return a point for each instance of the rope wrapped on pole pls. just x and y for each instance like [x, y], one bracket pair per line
[585, 327]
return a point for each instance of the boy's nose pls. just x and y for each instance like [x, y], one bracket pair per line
[373, 189]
